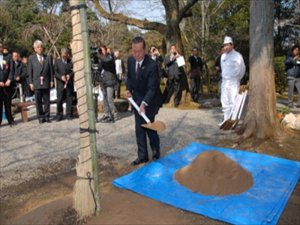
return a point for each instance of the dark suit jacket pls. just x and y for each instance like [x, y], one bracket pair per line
[196, 66]
[196, 62]
[60, 69]
[7, 69]
[36, 70]
[18, 70]
[107, 69]
[145, 86]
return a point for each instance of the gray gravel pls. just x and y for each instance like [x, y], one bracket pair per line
[30, 150]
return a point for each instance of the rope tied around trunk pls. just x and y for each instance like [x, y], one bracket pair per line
[90, 178]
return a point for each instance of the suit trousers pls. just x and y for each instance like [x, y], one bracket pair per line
[195, 87]
[173, 87]
[42, 102]
[292, 83]
[62, 95]
[5, 98]
[108, 101]
[141, 137]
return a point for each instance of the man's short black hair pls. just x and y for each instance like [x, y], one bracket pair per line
[137, 40]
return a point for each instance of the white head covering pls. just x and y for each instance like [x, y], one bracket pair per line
[227, 40]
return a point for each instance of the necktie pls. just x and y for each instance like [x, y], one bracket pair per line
[137, 69]
[40, 59]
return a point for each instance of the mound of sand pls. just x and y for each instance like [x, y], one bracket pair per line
[212, 173]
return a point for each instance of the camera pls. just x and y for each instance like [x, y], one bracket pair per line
[95, 66]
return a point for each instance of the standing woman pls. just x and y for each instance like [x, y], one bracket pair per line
[108, 81]
[175, 75]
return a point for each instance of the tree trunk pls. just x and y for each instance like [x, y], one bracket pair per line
[86, 197]
[260, 119]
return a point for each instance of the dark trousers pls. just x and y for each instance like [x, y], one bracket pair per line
[173, 87]
[5, 98]
[141, 137]
[195, 86]
[62, 95]
[119, 88]
[26, 89]
[42, 102]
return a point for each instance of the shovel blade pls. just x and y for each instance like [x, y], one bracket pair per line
[229, 125]
[156, 125]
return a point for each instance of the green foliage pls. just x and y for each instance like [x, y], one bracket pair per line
[288, 33]
[22, 21]
[284, 110]
[280, 78]
[231, 18]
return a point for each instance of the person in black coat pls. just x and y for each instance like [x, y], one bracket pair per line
[64, 74]
[175, 77]
[6, 79]
[108, 83]
[195, 74]
[40, 70]
[18, 72]
[292, 67]
[25, 79]
[142, 84]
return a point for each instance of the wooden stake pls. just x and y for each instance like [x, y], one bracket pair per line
[86, 191]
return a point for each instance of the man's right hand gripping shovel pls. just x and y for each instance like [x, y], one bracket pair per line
[156, 125]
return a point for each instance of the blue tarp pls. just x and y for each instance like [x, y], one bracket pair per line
[274, 181]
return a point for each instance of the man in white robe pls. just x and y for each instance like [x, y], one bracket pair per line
[233, 70]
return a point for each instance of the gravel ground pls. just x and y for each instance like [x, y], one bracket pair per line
[29, 150]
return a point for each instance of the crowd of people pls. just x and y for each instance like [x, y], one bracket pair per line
[142, 76]
[36, 75]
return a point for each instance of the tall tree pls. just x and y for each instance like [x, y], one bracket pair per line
[175, 12]
[260, 119]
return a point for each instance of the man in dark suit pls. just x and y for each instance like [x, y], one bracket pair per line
[64, 74]
[18, 72]
[6, 79]
[195, 74]
[143, 85]
[40, 70]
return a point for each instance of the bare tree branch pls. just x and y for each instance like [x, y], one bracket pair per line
[218, 7]
[110, 8]
[183, 12]
[143, 24]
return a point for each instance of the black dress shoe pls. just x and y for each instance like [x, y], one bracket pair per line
[156, 155]
[59, 118]
[139, 161]
[12, 123]
[104, 117]
[108, 120]
[47, 120]
[42, 121]
[69, 117]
